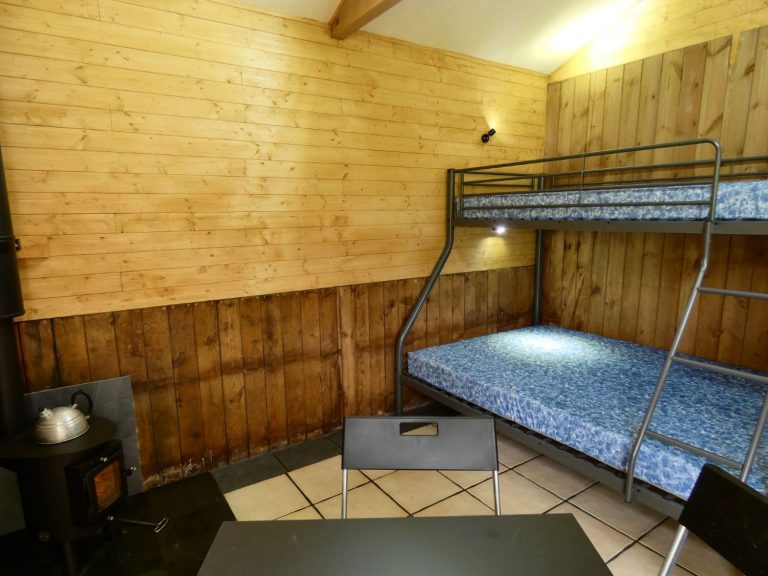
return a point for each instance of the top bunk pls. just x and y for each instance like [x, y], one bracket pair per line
[670, 187]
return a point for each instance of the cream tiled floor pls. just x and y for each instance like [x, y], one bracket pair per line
[630, 538]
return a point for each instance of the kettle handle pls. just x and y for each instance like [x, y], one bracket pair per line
[87, 397]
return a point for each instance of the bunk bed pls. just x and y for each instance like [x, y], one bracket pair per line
[639, 419]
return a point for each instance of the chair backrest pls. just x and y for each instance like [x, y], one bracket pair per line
[419, 443]
[729, 516]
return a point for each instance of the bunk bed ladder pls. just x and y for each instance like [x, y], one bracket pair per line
[673, 356]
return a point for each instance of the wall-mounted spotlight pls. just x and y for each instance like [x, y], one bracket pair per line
[487, 136]
[500, 229]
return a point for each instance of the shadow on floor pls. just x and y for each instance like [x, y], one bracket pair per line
[195, 508]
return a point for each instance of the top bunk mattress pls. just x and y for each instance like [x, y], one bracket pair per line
[736, 200]
[590, 393]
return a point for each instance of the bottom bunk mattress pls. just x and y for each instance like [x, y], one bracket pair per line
[590, 393]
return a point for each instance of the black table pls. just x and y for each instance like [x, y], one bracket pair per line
[531, 545]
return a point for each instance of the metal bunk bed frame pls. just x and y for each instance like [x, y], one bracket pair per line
[632, 489]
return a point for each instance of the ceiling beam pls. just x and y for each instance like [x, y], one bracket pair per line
[351, 15]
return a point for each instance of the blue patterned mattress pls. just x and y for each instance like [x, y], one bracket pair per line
[737, 200]
[590, 393]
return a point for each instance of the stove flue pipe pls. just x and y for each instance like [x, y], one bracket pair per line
[11, 305]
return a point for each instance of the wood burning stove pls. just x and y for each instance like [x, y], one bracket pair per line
[68, 490]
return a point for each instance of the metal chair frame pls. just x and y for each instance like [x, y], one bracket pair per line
[384, 443]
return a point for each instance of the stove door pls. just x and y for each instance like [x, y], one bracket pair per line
[97, 485]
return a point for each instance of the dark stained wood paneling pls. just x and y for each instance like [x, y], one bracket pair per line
[361, 350]
[101, 346]
[210, 383]
[71, 350]
[216, 382]
[392, 323]
[274, 376]
[252, 334]
[131, 352]
[492, 302]
[186, 380]
[347, 332]
[311, 364]
[377, 345]
[330, 350]
[293, 371]
[471, 320]
[233, 382]
[162, 397]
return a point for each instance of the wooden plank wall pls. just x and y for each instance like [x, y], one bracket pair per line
[633, 286]
[162, 152]
[655, 26]
[216, 382]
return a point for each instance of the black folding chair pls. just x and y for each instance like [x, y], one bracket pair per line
[729, 516]
[419, 443]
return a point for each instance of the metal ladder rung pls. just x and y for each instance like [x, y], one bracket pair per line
[693, 449]
[721, 369]
[737, 293]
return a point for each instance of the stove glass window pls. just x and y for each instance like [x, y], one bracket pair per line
[108, 485]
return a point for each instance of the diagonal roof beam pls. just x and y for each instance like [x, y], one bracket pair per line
[351, 15]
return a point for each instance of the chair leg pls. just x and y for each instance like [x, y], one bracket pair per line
[496, 496]
[674, 550]
[344, 493]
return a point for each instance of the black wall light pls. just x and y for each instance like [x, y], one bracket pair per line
[487, 136]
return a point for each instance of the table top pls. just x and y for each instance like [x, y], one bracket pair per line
[538, 545]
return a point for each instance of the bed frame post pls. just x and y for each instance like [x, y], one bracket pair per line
[537, 277]
[422, 300]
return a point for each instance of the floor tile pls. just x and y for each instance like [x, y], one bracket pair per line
[307, 453]
[367, 501]
[640, 561]
[266, 500]
[247, 472]
[634, 520]
[417, 489]
[462, 504]
[429, 429]
[554, 477]
[606, 540]
[374, 474]
[518, 495]
[512, 453]
[695, 556]
[467, 478]
[308, 513]
[322, 480]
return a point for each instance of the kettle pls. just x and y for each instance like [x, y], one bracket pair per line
[56, 425]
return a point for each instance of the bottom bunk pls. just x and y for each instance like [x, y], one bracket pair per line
[588, 394]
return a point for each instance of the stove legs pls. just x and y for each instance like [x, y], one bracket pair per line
[72, 565]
